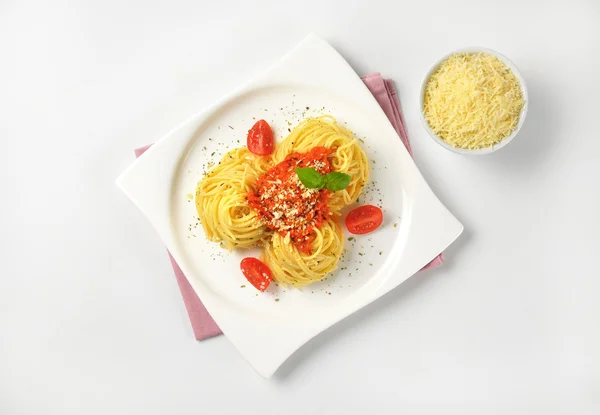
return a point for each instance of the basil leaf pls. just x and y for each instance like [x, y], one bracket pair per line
[337, 181]
[310, 177]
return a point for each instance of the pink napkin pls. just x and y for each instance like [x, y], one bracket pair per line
[384, 92]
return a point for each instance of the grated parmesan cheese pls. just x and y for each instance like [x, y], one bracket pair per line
[472, 101]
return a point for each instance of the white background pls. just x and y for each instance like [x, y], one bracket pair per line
[91, 318]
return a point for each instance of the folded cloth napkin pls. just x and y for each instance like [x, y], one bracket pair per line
[384, 92]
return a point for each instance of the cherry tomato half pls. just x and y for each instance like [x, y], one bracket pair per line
[260, 139]
[256, 272]
[364, 219]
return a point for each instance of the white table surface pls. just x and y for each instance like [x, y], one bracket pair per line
[91, 318]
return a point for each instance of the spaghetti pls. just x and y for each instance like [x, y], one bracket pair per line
[291, 266]
[348, 157]
[221, 201]
[249, 201]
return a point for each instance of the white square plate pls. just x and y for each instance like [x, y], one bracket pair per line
[267, 328]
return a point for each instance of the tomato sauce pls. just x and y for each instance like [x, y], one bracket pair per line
[286, 205]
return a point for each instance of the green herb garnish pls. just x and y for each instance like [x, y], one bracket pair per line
[312, 179]
[336, 181]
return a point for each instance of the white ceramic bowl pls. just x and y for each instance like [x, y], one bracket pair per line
[522, 115]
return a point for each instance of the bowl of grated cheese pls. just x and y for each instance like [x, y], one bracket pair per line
[473, 101]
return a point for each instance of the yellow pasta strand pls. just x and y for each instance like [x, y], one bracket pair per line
[221, 201]
[289, 266]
